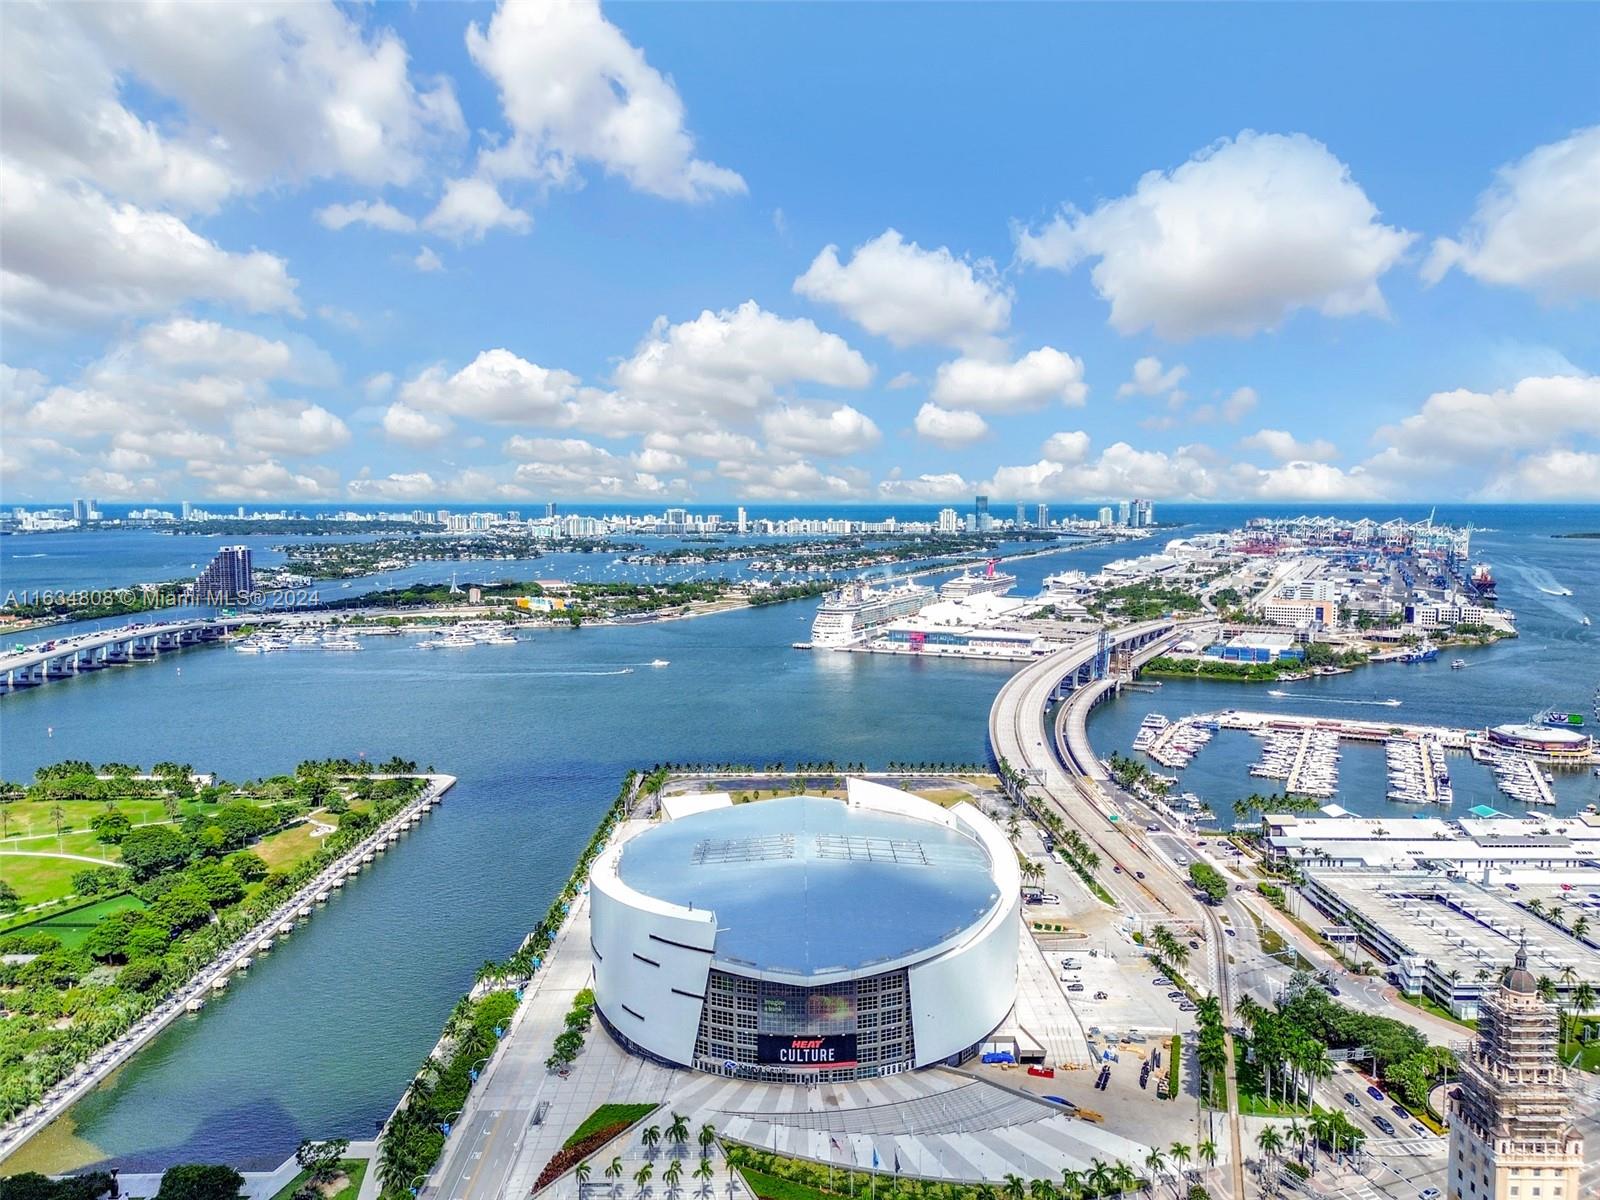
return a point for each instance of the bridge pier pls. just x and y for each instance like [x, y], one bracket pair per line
[59, 667]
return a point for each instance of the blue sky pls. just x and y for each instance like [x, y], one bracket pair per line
[449, 252]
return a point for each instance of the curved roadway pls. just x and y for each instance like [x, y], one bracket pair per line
[1068, 776]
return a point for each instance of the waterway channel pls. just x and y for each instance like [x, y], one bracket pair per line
[327, 1029]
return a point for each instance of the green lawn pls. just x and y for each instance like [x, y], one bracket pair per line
[1587, 1055]
[72, 927]
[354, 1169]
[39, 880]
[606, 1116]
[1251, 1101]
[770, 1187]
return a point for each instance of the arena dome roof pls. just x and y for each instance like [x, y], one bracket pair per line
[807, 886]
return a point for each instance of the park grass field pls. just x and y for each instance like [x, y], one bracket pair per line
[39, 880]
[72, 927]
[282, 850]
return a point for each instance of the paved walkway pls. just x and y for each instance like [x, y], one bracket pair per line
[934, 1123]
[258, 1185]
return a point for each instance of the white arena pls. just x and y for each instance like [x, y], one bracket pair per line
[807, 937]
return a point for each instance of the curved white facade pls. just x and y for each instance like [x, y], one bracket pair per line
[655, 960]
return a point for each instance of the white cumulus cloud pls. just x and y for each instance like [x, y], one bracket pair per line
[497, 386]
[1538, 225]
[1151, 379]
[575, 90]
[950, 426]
[1037, 378]
[402, 423]
[898, 290]
[1285, 447]
[379, 214]
[831, 431]
[1234, 241]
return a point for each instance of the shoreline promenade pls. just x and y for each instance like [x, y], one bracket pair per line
[87, 1075]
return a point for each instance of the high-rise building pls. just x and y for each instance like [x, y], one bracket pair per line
[185, 510]
[80, 511]
[1105, 517]
[1041, 517]
[980, 506]
[1123, 508]
[549, 510]
[744, 520]
[1511, 1130]
[1022, 516]
[226, 577]
[949, 520]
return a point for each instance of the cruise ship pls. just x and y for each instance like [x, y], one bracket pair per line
[855, 612]
[991, 582]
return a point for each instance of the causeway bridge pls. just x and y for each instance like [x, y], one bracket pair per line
[76, 654]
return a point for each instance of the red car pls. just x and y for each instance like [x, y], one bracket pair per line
[1042, 1072]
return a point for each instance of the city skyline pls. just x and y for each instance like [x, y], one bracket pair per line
[424, 281]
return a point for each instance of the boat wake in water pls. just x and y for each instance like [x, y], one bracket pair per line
[565, 674]
[1283, 695]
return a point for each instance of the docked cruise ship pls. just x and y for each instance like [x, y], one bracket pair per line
[991, 582]
[855, 612]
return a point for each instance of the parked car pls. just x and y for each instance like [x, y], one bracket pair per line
[1049, 897]
[1074, 987]
[1187, 1006]
[1138, 874]
[1176, 996]
[1102, 996]
[1231, 931]
[1193, 945]
[1161, 981]
[1429, 1194]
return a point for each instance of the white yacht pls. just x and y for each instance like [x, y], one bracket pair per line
[856, 611]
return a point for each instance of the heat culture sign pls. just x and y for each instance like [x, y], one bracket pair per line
[801, 1050]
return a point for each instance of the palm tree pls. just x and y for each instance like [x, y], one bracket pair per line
[703, 1171]
[1269, 1141]
[613, 1171]
[1155, 1162]
[708, 1135]
[1180, 1154]
[1101, 1178]
[651, 1138]
[1016, 1188]
[642, 1177]
[1583, 997]
[581, 1171]
[1071, 1183]
[678, 1131]
[673, 1175]
[1580, 927]
[1041, 1189]
[1207, 1151]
